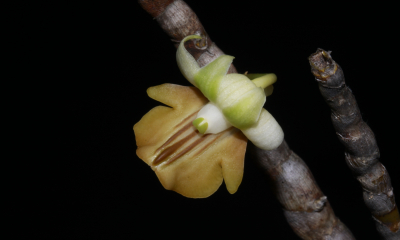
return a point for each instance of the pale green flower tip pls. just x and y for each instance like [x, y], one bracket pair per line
[190, 37]
[201, 125]
[187, 38]
[186, 62]
[263, 80]
[229, 58]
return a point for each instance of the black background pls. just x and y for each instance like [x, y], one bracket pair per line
[89, 65]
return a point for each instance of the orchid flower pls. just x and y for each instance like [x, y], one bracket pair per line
[199, 142]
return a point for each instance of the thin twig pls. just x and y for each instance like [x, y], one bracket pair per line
[306, 208]
[362, 152]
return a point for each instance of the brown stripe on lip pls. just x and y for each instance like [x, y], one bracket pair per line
[209, 138]
[173, 137]
[207, 144]
[188, 148]
[168, 151]
[186, 119]
[186, 127]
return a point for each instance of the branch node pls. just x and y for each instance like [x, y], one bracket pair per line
[320, 203]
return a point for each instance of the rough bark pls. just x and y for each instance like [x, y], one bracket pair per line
[362, 153]
[305, 207]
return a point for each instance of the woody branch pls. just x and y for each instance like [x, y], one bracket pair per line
[362, 153]
[309, 215]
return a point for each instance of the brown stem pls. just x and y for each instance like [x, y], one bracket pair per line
[178, 20]
[362, 152]
[305, 207]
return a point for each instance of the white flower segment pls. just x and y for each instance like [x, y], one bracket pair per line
[213, 117]
[266, 133]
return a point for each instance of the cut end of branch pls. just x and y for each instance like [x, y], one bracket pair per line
[326, 71]
[322, 64]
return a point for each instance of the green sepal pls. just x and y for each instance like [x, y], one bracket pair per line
[246, 111]
[262, 80]
[209, 77]
[186, 62]
[252, 76]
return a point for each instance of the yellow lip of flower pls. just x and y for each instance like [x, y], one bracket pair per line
[184, 160]
[173, 140]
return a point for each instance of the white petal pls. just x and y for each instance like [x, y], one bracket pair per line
[214, 117]
[266, 133]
